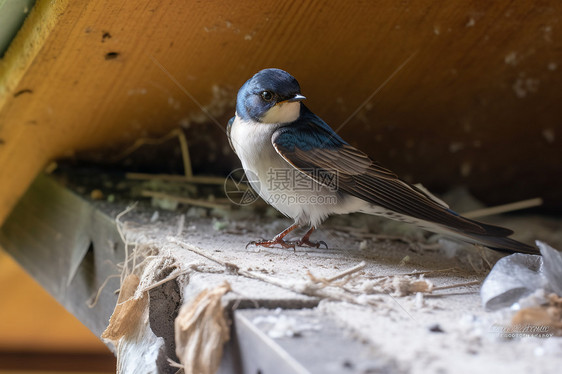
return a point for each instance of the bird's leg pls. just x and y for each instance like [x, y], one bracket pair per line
[305, 241]
[278, 239]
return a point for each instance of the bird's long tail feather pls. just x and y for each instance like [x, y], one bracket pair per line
[494, 237]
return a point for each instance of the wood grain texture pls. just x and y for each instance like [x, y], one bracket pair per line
[479, 99]
[21, 156]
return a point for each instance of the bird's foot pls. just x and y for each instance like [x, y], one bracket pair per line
[305, 242]
[271, 243]
[277, 240]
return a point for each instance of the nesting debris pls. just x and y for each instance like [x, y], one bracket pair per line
[363, 245]
[129, 330]
[544, 320]
[129, 313]
[161, 201]
[398, 286]
[518, 205]
[201, 329]
[176, 133]
[343, 274]
[136, 346]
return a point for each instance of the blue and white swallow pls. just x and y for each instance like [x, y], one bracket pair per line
[274, 131]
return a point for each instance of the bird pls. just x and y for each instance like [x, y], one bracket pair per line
[304, 169]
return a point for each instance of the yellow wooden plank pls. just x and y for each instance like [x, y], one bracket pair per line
[29, 41]
[20, 158]
[483, 71]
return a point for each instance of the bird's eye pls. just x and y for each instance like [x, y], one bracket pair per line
[267, 96]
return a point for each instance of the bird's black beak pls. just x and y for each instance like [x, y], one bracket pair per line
[297, 97]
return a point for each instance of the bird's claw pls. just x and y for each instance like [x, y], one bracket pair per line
[271, 243]
[255, 242]
[308, 243]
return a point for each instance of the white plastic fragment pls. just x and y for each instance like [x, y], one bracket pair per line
[512, 278]
[519, 275]
[552, 259]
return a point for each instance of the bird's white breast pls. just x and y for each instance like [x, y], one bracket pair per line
[252, 143]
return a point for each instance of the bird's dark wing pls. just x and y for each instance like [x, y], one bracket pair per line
[228, 129]
[311, 146]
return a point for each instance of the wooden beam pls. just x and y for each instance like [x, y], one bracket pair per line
[71, 245]
[83, 75]
[72, 248]
[68, 246]
[21, 154]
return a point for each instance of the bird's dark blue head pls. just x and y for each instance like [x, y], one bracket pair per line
[270, 96]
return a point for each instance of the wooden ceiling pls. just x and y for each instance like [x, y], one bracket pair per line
[482, 89]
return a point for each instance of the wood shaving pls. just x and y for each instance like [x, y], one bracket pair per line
[129, 314]
[398, 286]
[201, 329]
[548, 318]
